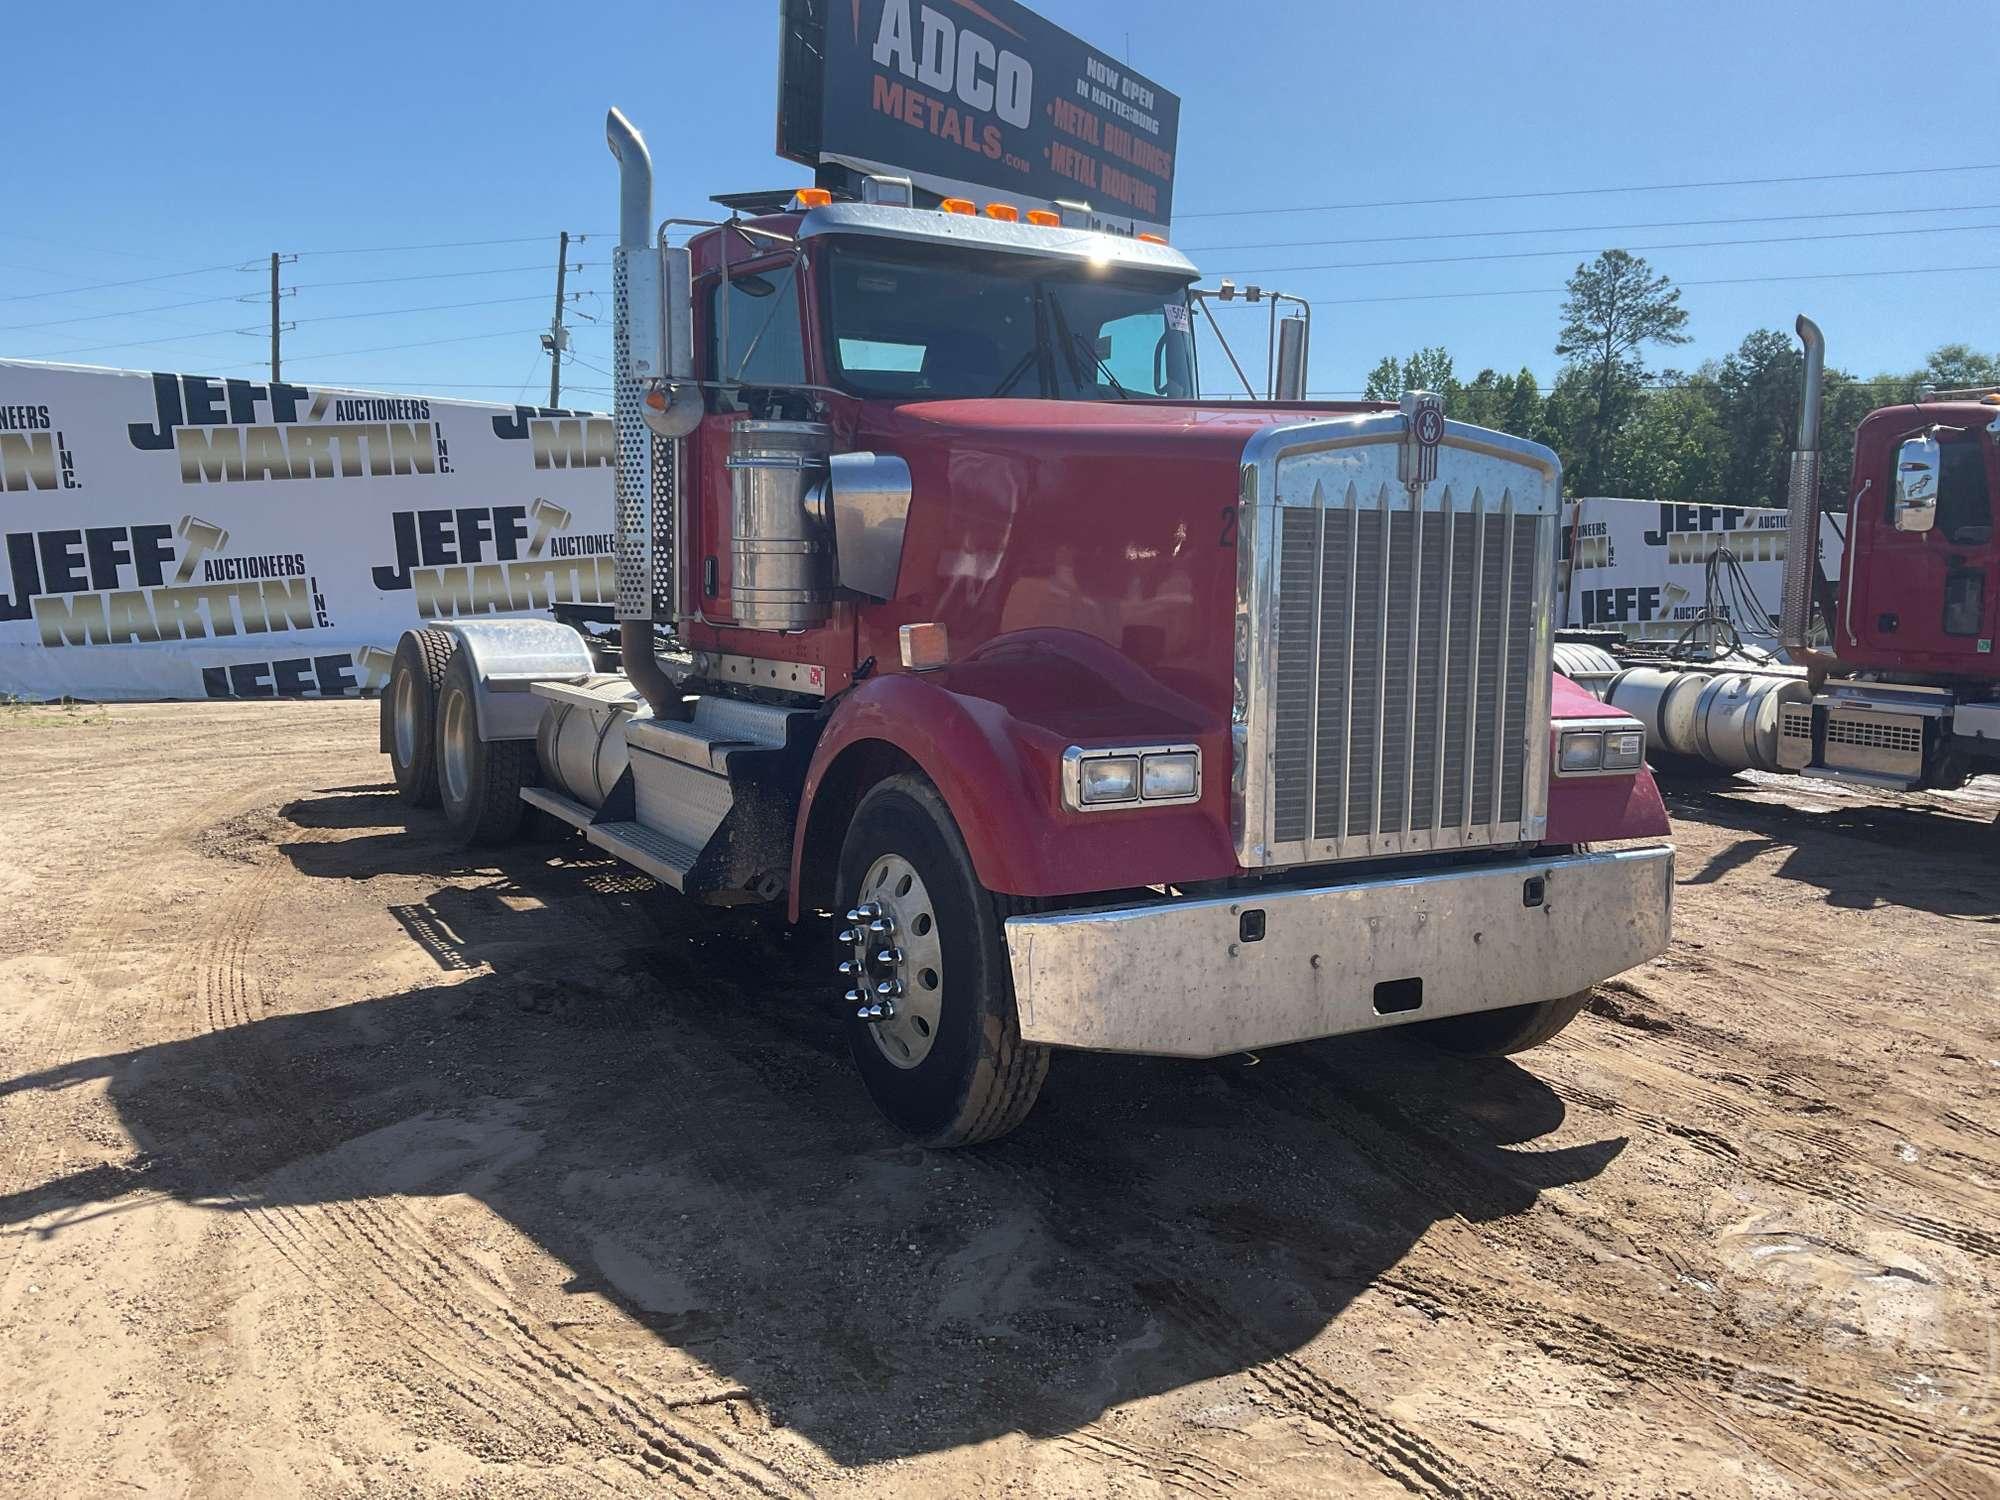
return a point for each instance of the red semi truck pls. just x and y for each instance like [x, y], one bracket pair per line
[1893, 681]
[1108, 717]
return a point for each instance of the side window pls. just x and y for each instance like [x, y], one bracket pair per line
[1128, 347]
[760, 322]
[1964, 513]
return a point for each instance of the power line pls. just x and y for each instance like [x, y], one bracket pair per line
[1557, 291]
[446, 275]
[1781, 239]
[469, 338]
[1485, 234]
[132, 312]
[530, 239]
[177, 338]
[101, 286]
[1653, 187]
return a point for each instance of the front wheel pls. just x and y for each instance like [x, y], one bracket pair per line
[931, 1000]
[479, 781]
[1498, 1033]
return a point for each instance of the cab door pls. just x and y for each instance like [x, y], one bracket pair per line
[1930, 600]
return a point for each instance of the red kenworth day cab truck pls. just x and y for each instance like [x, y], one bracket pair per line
[1101, 715]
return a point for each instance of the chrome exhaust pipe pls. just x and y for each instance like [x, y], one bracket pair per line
[637, 533]
[1802, 502]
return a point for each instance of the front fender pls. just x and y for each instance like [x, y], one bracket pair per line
[998, 765]
[1594, 809]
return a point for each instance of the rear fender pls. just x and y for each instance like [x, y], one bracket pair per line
[508, 658]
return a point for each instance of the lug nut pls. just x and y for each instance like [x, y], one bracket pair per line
[854, 997]
[889, 957]
[851, 936]
[889, 988]
[867, 911]
[847, 966]
[883, 925]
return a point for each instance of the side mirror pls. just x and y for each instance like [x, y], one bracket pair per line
[1918, 462]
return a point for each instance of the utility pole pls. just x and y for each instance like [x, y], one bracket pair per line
[275, 258]
[558, 337]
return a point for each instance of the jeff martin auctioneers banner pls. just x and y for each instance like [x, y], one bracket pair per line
[182, 536]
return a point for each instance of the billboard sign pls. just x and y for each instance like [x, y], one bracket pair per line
[167, 535]
[979, 99]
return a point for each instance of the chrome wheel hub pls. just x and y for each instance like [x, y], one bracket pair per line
[457, 744]
[895, 967]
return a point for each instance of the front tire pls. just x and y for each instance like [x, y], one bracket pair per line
[944, 1059]
[479, 781]
[1500, 1033]
[410, 711]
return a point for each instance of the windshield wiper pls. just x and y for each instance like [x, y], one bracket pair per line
[1073, 343]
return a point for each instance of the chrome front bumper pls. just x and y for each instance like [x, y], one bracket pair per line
[1191, 979]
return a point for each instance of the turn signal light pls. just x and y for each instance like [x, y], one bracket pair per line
[806, 198]
[1045, 217]
[925, 647]
[1006, 213]
[958, 206]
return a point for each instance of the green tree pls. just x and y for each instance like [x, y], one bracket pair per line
[1616, 306]
[1385, 381]
[1673, 446]
[1425, 370]
[1957, 367]
[1759, 386]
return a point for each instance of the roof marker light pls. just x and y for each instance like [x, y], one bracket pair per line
[1006, 213]
[1154, 239]
[810, 198]
[958, 206]
[1046, 218]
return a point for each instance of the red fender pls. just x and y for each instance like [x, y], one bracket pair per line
[990, 733]
[1593, 809]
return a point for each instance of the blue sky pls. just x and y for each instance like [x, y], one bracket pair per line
[144, 140]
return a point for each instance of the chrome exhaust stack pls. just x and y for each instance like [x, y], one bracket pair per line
[654, 403]
[1802, 502]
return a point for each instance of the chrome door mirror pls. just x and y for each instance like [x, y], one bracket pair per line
[1918, 462]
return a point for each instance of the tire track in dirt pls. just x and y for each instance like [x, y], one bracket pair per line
[1843, 1159]
[419, 1281]
[1180, 1469]
[57, 1037]
[1580, 1339]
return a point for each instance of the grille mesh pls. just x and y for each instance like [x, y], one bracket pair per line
[1405, 658]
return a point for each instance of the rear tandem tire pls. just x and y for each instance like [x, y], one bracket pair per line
[951, 1068]
[409, 708]
[479, 781]
[1499, 1033]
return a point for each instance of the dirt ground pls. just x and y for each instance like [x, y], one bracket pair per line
[335, 1162]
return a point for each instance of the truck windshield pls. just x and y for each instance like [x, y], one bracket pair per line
[931, 326]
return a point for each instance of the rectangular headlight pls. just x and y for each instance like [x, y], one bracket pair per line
[1174, 774]
[1109, 778]
[1582, 750]
[1624, 749]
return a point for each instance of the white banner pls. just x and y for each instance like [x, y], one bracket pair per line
[180, 536]
[1641, 567]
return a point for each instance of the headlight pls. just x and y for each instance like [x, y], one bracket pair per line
[1582, 750]
[1101, 780]
[1171, 774]
[1110, 778]
[1624, 749]
[1602, 748]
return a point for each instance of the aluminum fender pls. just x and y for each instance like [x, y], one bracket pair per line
[1001, 774]
[508, 658]
[1596, 809]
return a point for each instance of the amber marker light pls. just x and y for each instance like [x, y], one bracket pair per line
[958, 206]
[1006, 213]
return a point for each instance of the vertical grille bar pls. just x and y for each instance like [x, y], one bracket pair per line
[1319, 620]
[1410, 668]
[1472, 662]
[1353, 614]
[1444, 660]
[1500, 680]
[1381, 668]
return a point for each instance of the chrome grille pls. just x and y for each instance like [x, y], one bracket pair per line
[1394, 660]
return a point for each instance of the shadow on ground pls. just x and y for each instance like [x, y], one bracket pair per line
[659, 1098]
[1861, 855]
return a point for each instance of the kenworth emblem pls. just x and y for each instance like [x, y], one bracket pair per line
[1423, 415]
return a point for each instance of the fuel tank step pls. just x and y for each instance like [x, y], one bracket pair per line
[660, 855]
